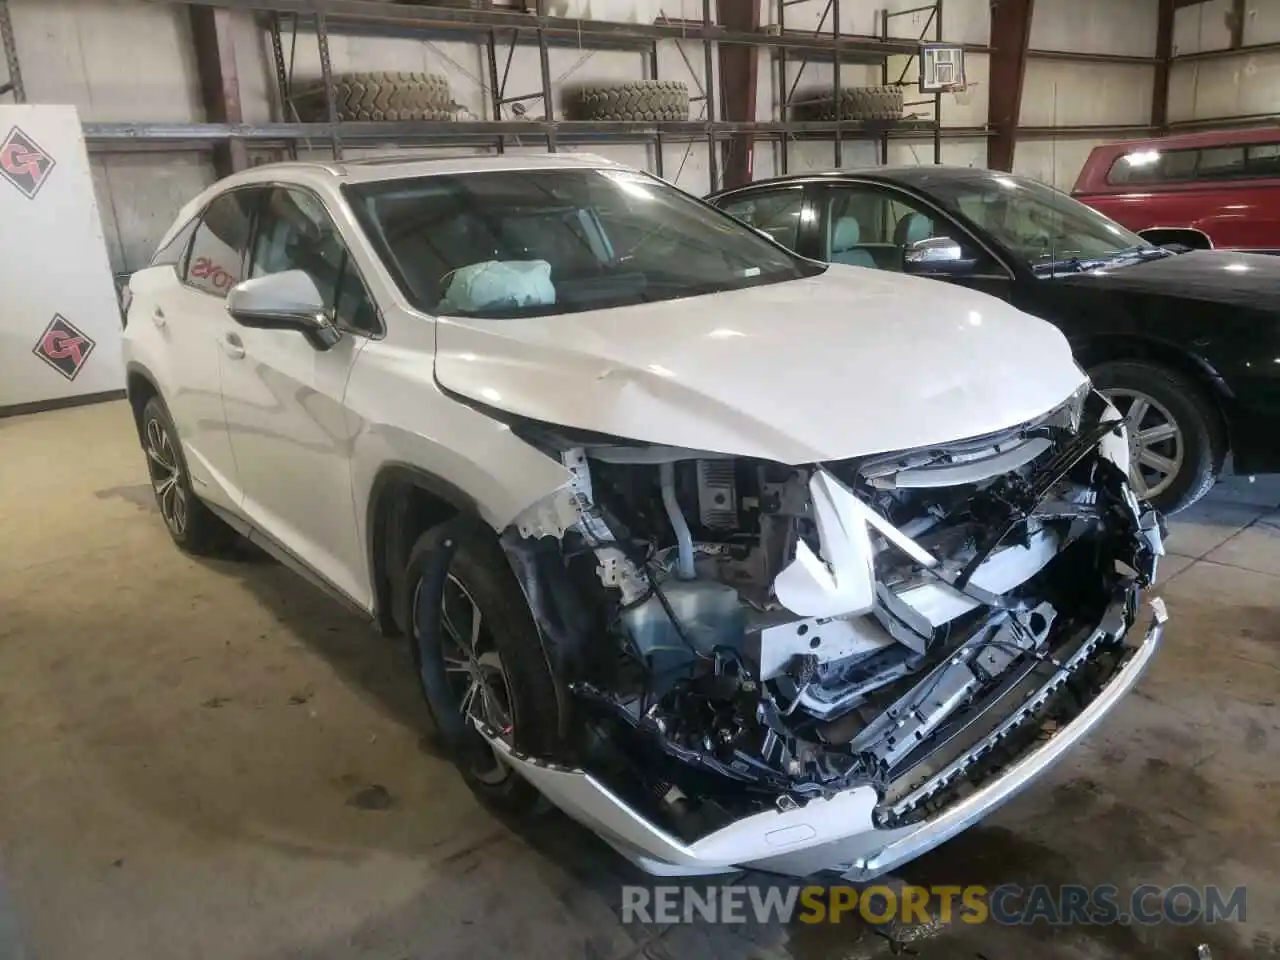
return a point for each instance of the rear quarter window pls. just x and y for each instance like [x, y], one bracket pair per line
[171, 254]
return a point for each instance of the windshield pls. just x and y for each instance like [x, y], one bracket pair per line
[536, 242]
[1049, 230]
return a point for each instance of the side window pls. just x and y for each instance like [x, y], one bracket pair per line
[1178, 165]
[1209, 163]
[1153, 166]
[217, 250]
[296, 233]
[1263, 160]
[1220, 163]
[1143, 166]
[870, 226]
[775, 212]
[172, 253]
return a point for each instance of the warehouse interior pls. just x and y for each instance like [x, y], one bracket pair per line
[211, 758]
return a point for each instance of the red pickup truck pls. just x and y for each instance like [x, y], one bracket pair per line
[1213, 190]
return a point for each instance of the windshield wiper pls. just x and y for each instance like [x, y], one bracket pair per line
[1143, 252]
[1079, 265]
[1055, 267]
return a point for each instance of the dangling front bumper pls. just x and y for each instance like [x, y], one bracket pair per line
[841, 833]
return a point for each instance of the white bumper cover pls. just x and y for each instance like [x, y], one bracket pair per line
[838, 833]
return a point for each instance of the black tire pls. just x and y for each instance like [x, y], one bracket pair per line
[1202, 439]
[462, 558]
[379, 95]
[193, 526]
[648, 100]
[855, 103]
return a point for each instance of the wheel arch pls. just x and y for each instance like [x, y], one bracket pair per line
[404, 502]
[139, 386]
[1118, 347]
[1188, 236]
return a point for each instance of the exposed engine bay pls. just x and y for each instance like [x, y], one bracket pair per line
[731, 636]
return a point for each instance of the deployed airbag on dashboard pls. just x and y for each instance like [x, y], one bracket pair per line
[495, 284]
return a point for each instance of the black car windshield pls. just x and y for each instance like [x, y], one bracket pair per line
[1049, 230]
[517, 243]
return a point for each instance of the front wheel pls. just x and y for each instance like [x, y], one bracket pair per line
[1175, 435]
[480, 659]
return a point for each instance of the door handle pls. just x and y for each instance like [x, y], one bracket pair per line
[157, 317]
[233, 346]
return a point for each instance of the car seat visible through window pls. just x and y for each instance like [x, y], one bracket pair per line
[846, 233]
[912, 228]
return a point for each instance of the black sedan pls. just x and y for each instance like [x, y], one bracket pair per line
[1185, 343]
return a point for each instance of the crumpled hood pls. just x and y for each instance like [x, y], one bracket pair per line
[848, 363]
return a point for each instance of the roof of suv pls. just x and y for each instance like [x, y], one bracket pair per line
[324, 174]
[395, 167]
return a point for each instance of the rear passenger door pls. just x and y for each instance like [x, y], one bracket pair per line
[289, 429]
[191, 314]
[784, 213]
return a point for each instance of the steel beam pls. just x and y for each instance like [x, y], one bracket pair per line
[430, 133]
[1235, 20]
[1010, 39]
[738, 72]
[341, 13]
[219, 82]
[1164, 59]
[1254, 49]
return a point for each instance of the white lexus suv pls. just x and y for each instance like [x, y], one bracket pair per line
[738, 558]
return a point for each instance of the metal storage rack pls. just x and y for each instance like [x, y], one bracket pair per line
[935, 21]
[14, 84]
[494, 30]
[849, 48]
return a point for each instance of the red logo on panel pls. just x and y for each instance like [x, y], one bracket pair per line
[23, 163]
[63, 347]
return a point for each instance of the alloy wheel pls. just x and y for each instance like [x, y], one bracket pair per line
[166, 477]
[1156, 446]
[473, 668]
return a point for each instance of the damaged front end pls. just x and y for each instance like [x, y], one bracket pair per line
[835, 666]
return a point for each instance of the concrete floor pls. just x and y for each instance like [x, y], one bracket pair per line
[213, 760]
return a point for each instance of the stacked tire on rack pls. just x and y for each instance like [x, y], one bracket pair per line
[649, 100]
[379, 95]
[855, 103]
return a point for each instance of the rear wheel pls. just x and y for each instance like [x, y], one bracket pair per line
[192, 525]
[479, 658]
[1175, 436]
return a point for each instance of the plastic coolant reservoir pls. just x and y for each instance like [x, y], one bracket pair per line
[709, 613]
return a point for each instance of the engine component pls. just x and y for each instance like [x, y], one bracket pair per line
[684, 539]
[717, 495]
[709, 615]
[901, 728]
[848, 623]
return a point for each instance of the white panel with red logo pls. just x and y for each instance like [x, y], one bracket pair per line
[59, 313]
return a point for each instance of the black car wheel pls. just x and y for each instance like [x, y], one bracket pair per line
[1174, 432]
[480, 659]
[191, 524]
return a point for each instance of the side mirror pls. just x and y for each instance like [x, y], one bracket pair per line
[284, 301]
[936, 255]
